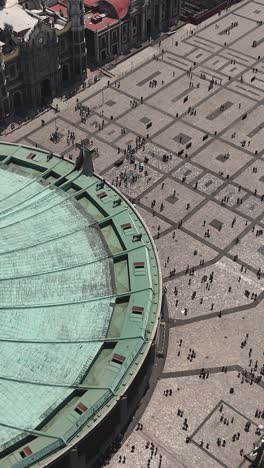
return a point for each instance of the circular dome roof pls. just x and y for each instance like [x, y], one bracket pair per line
[71, 280]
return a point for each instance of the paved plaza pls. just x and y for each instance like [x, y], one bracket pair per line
[180, 130]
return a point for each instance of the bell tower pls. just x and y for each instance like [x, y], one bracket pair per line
[4, 95]
[79, 52]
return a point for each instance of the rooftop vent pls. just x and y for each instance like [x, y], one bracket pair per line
[26, 452]
[137, 310]
[102, 195]
[31, 156]
[80, 408]
[96, 19]
[118, 359]
[126, 226]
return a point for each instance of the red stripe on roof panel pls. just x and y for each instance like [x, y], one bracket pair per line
[118, 358]
[139, 264]
[120, 6]
[138, 309]
[102, 195]
[30, 155]
[82, 407]
[27, 451]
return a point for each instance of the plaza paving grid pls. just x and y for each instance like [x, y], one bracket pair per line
[204, 206]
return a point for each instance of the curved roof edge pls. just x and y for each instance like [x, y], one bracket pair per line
[120, 6]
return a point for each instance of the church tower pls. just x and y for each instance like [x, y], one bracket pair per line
[4, 95]
[79, 52]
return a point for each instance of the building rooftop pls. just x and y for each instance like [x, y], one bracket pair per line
[14, 15]
[120, 7]
[60, 8]
[23, 20]
[104, 22]
[72, 279]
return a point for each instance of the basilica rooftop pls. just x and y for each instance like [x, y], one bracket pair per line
[80, 301]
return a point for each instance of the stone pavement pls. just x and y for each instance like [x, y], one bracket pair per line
[185, 123]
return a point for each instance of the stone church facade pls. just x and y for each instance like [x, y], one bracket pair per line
[47, 47]
[37, 63]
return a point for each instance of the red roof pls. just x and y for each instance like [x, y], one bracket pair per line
[120, 6]
[59, 8]
[98, 26]
[91, 3]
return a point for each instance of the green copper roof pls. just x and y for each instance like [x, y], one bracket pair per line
[73, 278]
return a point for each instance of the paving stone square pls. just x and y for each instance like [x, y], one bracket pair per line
[177, 250]
[199, 55]
[131, 179]
[207, 73]
[216, 428]
[249, 130]
[233, 70]
[43, 135]
[250, 250]
[231, 195]
[110, 102]
[252, 11]
[246, 42]
[136, 84]
[155, 225]
[176, 61]
[197, 296]
[92, 124]
[217, 62]
[133, 120]
[251, 207]
[166, 138]
[196, 391]
[238, 56]
[180, 96]
[143, 453]
[187, 173]
[177, 210]
[222, 158]
[209, 183]
[252, 177]
[183, 49]
[202, 44]
[219, 29]
[222, 118]
[221, 344]
[155, 155]
[245, 89]
[199, 224]
[72, 117]
[122, 141]
[110, 133]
